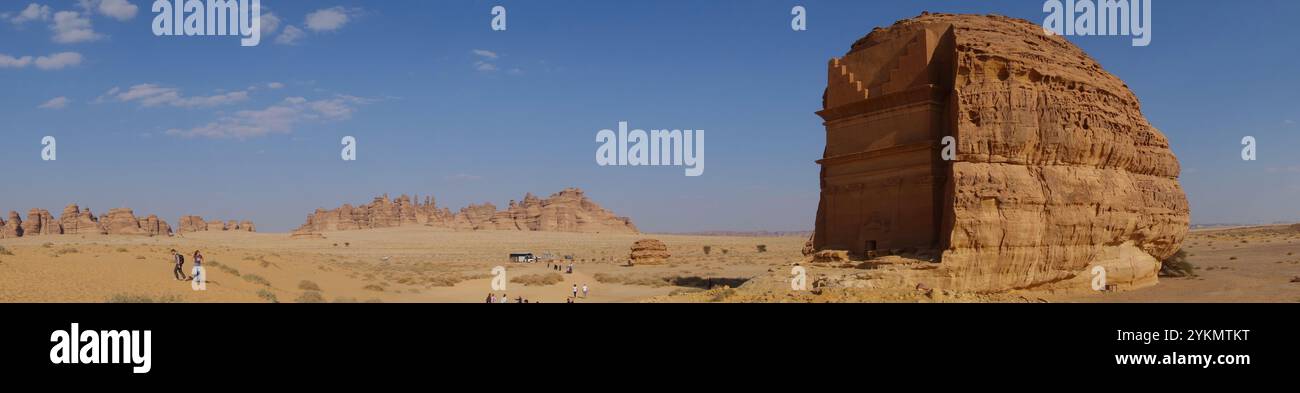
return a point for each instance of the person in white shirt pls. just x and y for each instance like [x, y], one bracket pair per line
[584, 291]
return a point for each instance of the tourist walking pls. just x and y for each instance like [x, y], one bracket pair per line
[179, 271]
[198, 268]
[575, 290]
[584, 291]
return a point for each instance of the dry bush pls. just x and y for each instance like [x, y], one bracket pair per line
[310, 297]
[761, 247]
[256, 279]
[5, 251]
[1177, 266]
[373, 287]
[67, 250]
[538, 279]
[267, 295]
[308, 286]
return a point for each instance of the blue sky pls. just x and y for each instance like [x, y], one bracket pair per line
[442, 105]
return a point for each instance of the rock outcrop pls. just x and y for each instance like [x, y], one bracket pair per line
[13, 227]
[189, 224]
[565, 211]
[75, 221]
[40, 222]
[121, 221]
[648, 252]
[1055, 170]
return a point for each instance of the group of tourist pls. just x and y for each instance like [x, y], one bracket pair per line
[493, 298]
[179, 271]
[560, 268]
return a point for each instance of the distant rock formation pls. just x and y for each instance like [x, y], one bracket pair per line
[649, 252]
[13, 227]
[1056, 170]
[40, 222]
[565, 211]
[198, 224]
[76, 221]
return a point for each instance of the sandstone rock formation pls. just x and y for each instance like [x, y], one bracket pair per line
[1056, 170]
[13, 227]
[121, 221]
[78, 222]
[153, 226]
[189, 224]
[41, 222]
[565, 211]
[649, 252]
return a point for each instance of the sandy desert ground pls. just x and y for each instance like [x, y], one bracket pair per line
[419, 264]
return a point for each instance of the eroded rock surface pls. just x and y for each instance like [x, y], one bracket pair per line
[1056, 169]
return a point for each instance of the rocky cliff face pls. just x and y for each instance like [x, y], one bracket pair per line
[566, 211]
[1056, 169]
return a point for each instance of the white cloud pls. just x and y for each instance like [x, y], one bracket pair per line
[118, 9]
[55, 61]
[290, 36]
[71, 27]
[270, 22]
[1288, 122]
[150, 95]
[328, 19]
[33, 12]
[280, 118]
[485, 60]
[56, 103]
[58, 61]
[7, 61]
[275, 85]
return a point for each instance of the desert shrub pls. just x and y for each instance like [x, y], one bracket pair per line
[130, 298]
[267, 295]
[227, 269]
[67, 250]
[256, 279]
[1232, 258]
[761, 248]
[373, 287]
[538, 279]
[140, 257]
[1177, 266]
[310, 297]
[5, 251]
[707, 249]
[121, 249]
[445, 280]
[47, 245]
[308, 286]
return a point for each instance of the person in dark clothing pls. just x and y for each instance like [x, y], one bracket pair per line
[179, 271]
